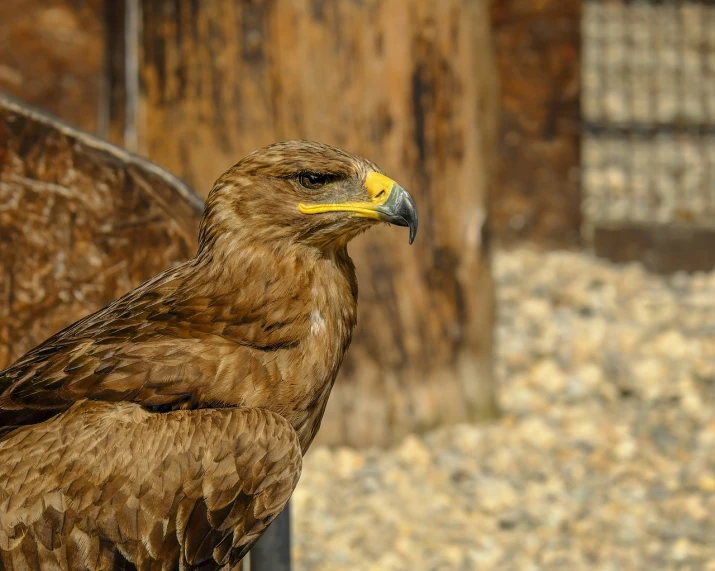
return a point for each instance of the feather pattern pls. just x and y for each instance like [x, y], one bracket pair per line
[184, 490]
[165, 431]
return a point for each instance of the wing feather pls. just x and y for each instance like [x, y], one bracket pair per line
[189, 489]
[168, 342]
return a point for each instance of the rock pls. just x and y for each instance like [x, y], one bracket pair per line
[414, 452]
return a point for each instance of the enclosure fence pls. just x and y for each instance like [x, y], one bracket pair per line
[648, 110]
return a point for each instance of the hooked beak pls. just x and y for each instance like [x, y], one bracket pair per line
[389, 202]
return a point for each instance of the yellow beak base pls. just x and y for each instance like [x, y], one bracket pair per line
[378, 186]
[389, 202]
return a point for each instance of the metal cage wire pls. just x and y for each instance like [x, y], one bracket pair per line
[648, 109]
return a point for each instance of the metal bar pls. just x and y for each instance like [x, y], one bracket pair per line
[653, 2]
[707, 51]
[647, 130]
[653, 166]
[662, 248]
[629, 72]
[132, 28]
[272, 550]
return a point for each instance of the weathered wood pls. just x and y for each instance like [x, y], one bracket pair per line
[408, 83]
[208, 77]
[538, 53]
[52, 54]
[81, 223]
[661, 248]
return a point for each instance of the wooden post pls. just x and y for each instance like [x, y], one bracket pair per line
[407, 83]
[51, 55]
[538, 47]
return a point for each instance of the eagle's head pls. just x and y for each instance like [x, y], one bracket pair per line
[304, 192]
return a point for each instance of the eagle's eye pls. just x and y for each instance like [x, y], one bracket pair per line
[313, 180]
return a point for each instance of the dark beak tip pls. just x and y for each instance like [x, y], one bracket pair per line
[401, 210]
[412, 220]
[413, 231]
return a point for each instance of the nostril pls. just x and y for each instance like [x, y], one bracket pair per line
[380, 195]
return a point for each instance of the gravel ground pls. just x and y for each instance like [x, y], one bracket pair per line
[604, 457]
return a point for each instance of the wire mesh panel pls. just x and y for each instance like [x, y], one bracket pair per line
[648, 104]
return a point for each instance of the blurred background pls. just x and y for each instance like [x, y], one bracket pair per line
[532, 383]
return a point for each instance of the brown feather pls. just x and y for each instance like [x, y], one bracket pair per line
[104, 452]
[202, 486]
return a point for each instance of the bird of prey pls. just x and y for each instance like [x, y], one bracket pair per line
[166, 431]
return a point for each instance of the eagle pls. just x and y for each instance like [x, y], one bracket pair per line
[166, 431]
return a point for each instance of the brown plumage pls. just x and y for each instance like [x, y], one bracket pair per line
[166, 430]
